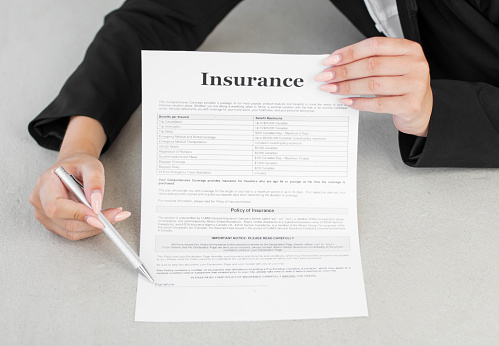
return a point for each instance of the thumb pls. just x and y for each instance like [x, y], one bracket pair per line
[92, 174]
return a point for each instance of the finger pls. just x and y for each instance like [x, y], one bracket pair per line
[116, 214]
[392, 86]
[405, 111]
[56, 205]
[63, 226]
[368, 67]
[73, 230]
[52, 197]
[50, 187]
[34, 197]
[374, 46]
[79, 226]
[93, 180]
[383, 104]
[92, 176]
[56, 187]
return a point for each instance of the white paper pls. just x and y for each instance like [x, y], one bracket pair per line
[248, 191]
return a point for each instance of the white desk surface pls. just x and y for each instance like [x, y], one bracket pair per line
[429, 237]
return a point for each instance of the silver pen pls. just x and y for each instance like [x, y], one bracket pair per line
[77, 189]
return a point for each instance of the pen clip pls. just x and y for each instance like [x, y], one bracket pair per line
[77, 181]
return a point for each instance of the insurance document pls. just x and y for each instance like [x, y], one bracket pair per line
[248, 191]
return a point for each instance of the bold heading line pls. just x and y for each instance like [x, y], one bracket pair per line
[251, 81]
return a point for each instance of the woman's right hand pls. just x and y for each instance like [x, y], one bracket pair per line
[55, 207]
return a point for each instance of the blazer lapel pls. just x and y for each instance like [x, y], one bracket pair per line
[408, 13]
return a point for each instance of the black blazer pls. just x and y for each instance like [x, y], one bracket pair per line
[460, 39]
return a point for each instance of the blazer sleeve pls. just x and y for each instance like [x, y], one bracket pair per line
[463, 130]
[106, 86]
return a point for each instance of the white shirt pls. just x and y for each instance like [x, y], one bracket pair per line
[386, 17]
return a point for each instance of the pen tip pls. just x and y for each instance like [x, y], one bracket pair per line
[142, 270]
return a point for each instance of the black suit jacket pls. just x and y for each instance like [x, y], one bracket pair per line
[460, 39]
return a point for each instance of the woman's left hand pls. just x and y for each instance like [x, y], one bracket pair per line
[394, 70]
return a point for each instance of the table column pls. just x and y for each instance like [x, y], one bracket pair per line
[205, 144]
[300, 146]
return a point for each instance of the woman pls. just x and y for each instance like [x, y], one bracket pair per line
[450, 119]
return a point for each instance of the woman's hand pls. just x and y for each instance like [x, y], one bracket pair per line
[55, 207]
[59, 212]
[393, 70]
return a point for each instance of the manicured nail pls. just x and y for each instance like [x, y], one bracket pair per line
[121, 216]
[324, 76]
[332, 60]
[332, 88]
[96, 201]
[92, 221]
[347, 102]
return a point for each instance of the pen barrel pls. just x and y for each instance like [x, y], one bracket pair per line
[77, 189]
[71, 184]
[120, 243]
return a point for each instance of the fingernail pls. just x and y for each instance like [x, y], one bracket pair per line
[347, 102]
[332, 88]
[121, 216]
[332, 60]
[324, 76]
[92, 221]
[96, 201]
